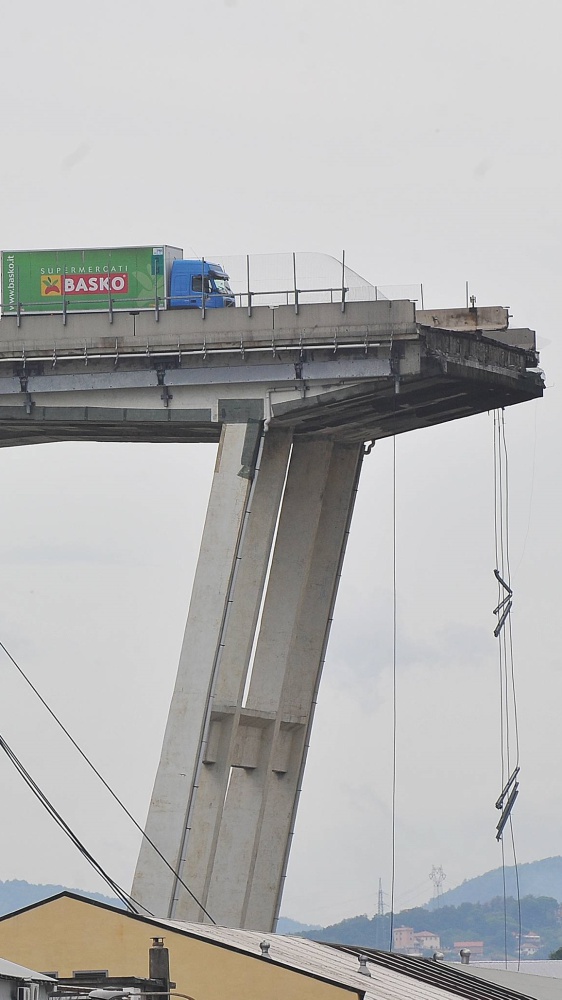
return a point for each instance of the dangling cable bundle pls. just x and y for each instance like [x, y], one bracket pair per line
[503, 633]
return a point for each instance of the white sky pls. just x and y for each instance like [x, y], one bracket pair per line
[424, 138]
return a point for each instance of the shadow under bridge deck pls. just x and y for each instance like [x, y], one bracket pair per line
[374, 370]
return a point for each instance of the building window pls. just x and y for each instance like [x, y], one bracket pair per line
[91, 974]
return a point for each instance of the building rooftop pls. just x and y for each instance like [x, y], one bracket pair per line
[392, 976]
[9, 970]
[540, 980]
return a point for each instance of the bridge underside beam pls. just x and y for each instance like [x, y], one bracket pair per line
[412, 389]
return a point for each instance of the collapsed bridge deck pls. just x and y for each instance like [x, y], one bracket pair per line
[376, 369]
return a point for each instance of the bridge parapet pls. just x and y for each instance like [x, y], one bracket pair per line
[185, 332]
[219, 330]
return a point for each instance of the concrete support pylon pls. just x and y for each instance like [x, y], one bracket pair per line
[187, 718]
[240, 721]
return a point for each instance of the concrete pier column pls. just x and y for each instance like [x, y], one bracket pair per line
[153, 883]
[227, 787]
[219, 745]
[252, 848]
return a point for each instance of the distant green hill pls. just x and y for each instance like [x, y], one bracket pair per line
[16, 894]
[537, 878]
[467, 922]
[473, 911]
[287, 926]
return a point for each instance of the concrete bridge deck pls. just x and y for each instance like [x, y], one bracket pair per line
[318, 371]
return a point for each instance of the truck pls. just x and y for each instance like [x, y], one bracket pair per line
[120, 279]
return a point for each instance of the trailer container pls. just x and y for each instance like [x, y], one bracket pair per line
[87, 280]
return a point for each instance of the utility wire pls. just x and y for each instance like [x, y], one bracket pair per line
[103, 781]
[504, 906]
[394, 712]
[520, 928]
[509, 638]
[128, 900]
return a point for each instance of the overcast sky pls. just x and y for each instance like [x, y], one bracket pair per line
[424, 138]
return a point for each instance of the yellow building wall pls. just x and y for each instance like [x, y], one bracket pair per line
[67, 935]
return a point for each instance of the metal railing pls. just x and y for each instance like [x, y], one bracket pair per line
[259, 280]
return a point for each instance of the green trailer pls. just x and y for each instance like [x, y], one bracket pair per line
[89, 280]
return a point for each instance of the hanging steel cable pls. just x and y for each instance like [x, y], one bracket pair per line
[394, 718]
[394, 688]
[509, 755]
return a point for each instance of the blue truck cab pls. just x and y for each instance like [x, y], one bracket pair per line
[194, 283]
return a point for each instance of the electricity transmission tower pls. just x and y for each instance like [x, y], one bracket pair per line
[381, 940]
[437, 876]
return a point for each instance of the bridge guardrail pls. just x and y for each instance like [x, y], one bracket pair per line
[273, 280]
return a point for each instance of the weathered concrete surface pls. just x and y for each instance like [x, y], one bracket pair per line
[247, 766]
[185, 329]
[484, 320]
[197, 670]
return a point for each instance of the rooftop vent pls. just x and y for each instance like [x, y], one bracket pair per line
[264, 945]
[465, 955]
[363, 966]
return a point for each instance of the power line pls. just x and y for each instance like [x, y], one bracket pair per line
[394, 711]
[125, 898]
[103, 781]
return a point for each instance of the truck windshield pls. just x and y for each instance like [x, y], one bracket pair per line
[222, 286]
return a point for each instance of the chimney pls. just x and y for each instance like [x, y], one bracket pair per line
[159, 964]
[465, 955]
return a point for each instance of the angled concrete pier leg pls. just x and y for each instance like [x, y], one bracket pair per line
[227, 787]
[203, 822]
[153, 883]
[258, 815]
